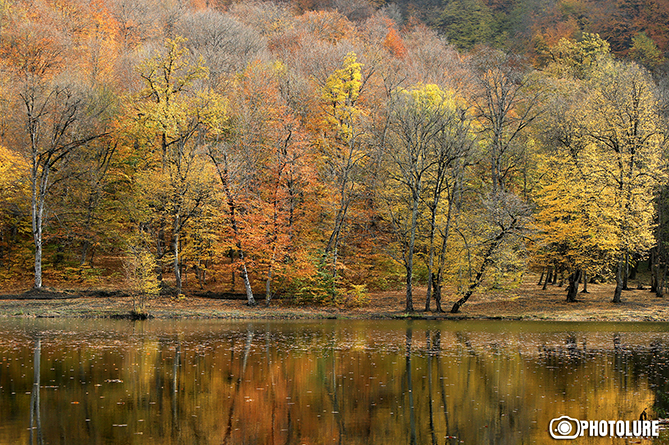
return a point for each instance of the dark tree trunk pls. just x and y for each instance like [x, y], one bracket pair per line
[436, 290]
[585, 283]
[619, 283]
[652, 260]
[549, 275]
[430, 287]
[234, 272]
[541, 278]
[487, 260]
[626, 271]
[572, 290]
[409, 288]
[661, 280]
[199, 273]
[412, 413]
[409, 256]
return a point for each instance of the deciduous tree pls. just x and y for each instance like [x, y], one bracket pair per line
[57, 115]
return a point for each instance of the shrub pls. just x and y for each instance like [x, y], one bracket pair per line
[140, 275]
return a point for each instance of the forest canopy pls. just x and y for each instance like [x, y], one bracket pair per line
[317, 150]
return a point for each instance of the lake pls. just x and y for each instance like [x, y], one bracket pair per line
[68, 381]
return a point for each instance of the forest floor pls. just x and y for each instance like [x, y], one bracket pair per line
[527, 302]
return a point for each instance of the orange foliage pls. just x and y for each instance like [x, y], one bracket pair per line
[276, 218]
[286, 42]
[393, 43]
[31, 49]
[330, 26]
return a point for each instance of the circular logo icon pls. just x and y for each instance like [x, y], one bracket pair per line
[564, 428]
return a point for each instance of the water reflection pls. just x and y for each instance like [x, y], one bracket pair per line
[35, 417]
[321, 383]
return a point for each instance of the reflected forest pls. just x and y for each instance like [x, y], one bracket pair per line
[321, 383]
[319, 150]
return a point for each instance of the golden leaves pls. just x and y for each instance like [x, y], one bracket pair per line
[341, 92]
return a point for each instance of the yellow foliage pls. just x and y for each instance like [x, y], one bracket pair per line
[432, 98]
[357, 296]
[165, 106]
[341, 93]
[13, 175]
[577, 218]
[576, 58]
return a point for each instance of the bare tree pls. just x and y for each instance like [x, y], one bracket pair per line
[417, 120]
[226, 44]
[454, 155]
[504, 105]
[56, 116]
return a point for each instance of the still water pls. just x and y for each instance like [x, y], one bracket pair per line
[329, 382]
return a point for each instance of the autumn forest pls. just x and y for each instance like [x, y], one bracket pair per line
[316, 151]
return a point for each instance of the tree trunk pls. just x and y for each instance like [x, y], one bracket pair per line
[487, 260]
[409, 255]
[436, 286]
[345, 196]
[250, 301]
[199, 274]
[657, 288]
[541, 278]
[572, 290]
[177, 264]
[619, 283]
[223, 176]
[160, 252]
[585, 283]
[430, 261]
[84, 252]
[652, 259]
[39, 188]
[268, 284]
[37, 236]
[549, 275]
[661, 281]
[626, 271]
[233, 274]
[430, 287]
[409, 290]
[335, 257]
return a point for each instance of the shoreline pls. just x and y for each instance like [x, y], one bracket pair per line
[525, 303]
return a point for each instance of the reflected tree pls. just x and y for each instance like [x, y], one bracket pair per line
[412, 412]
[240, 379]
[35, 416]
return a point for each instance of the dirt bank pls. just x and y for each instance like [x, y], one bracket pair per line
[527, 302]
